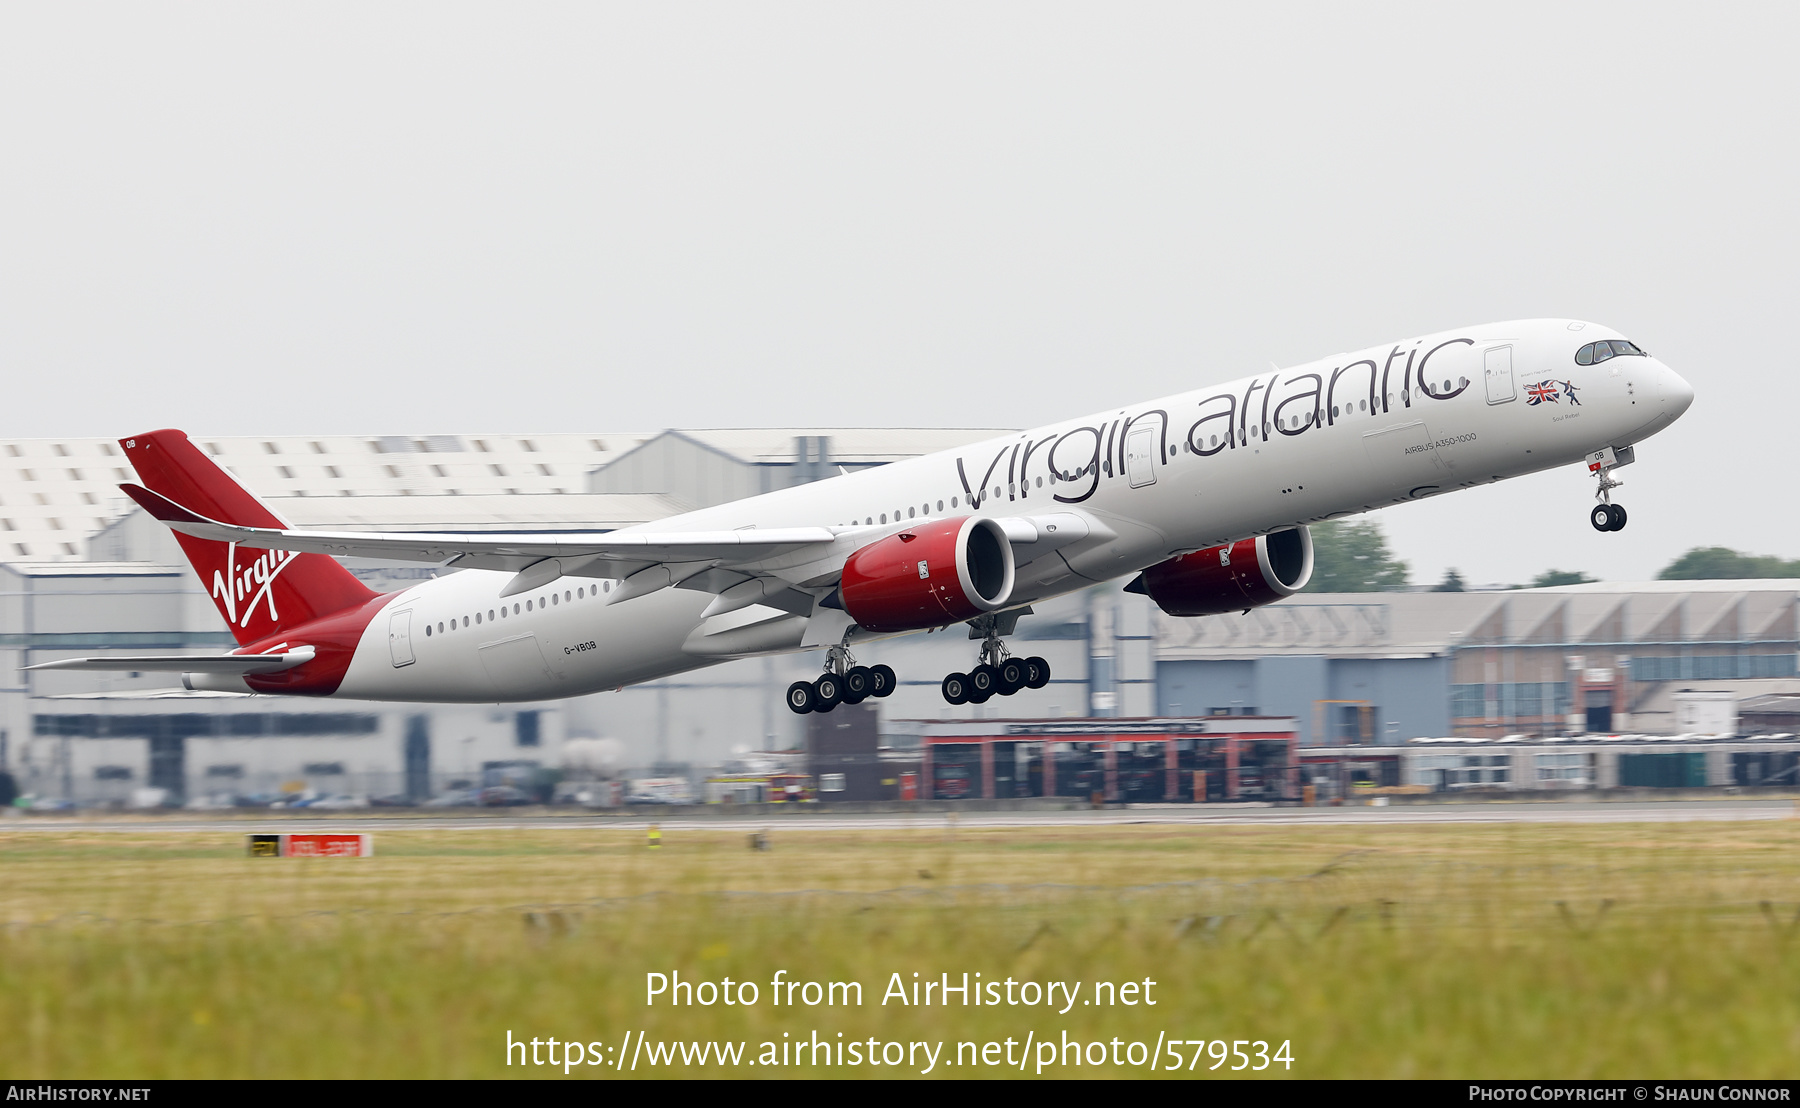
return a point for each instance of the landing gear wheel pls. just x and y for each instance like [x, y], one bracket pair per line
[800, 697]
[1039, 671]
[1618, 516]
[858, 684]
[1601, 517]
[984, 681]
[956, 688]
[884, 680]
[1013, 675]
[828, 692]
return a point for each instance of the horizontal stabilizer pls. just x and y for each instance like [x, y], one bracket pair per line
[189, 663]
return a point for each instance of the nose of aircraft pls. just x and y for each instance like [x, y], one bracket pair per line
[1677, 394]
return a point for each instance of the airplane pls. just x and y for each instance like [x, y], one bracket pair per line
[1204, 498]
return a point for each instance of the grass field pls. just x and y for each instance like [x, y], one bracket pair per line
[1442, 951]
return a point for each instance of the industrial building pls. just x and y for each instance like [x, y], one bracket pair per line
[83, 571]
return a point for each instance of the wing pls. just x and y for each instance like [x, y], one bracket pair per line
[610, 554]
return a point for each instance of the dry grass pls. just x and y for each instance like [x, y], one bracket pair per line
[1491, 951]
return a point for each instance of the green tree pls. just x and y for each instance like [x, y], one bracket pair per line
[1353, 557]
[1553, 577]
[1452, 582]
[1712, 563]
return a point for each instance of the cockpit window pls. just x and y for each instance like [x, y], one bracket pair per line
[1596, 352]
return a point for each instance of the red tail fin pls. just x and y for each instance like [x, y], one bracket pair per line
[258, 592]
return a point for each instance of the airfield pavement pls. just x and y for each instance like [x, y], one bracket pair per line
[822, 819]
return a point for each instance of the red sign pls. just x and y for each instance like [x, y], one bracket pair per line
[339, 845]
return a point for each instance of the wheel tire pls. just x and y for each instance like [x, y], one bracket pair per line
[1013, 674]
[828, 692]
[955, 688]
[857, 684]
[984, 681]
[1601, 517]
[1618, 516]
[800, 697]
[1040, 672]
[885, 681]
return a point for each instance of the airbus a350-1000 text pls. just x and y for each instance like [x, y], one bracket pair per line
[1204, 496]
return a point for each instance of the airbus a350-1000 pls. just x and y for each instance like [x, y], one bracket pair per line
[1204, 496]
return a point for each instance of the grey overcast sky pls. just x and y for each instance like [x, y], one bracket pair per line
[240, 218]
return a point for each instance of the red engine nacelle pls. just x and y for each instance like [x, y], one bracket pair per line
[1230, 578]
[942, 571]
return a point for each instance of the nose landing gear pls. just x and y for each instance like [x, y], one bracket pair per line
[843, 682]
[1606, 515]
[998, 672]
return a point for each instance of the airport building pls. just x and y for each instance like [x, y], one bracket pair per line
[83, 571]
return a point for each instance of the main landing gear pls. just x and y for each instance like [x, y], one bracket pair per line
[843, 682]
[998, 672]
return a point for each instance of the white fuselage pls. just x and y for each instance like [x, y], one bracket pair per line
[1338, 436]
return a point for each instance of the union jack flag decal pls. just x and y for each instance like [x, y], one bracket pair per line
[1541, 393]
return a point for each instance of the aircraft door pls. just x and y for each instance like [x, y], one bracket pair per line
[1498, 372]
[1140, 456]
[400, 638]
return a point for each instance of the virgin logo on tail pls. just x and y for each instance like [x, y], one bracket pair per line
[250, 584]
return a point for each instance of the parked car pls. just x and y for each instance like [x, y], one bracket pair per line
[455, 798]
[504, 796]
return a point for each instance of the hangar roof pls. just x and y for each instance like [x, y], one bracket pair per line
[1433, 624]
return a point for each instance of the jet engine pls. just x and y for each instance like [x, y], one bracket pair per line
[1230, 578]
[939, 572]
